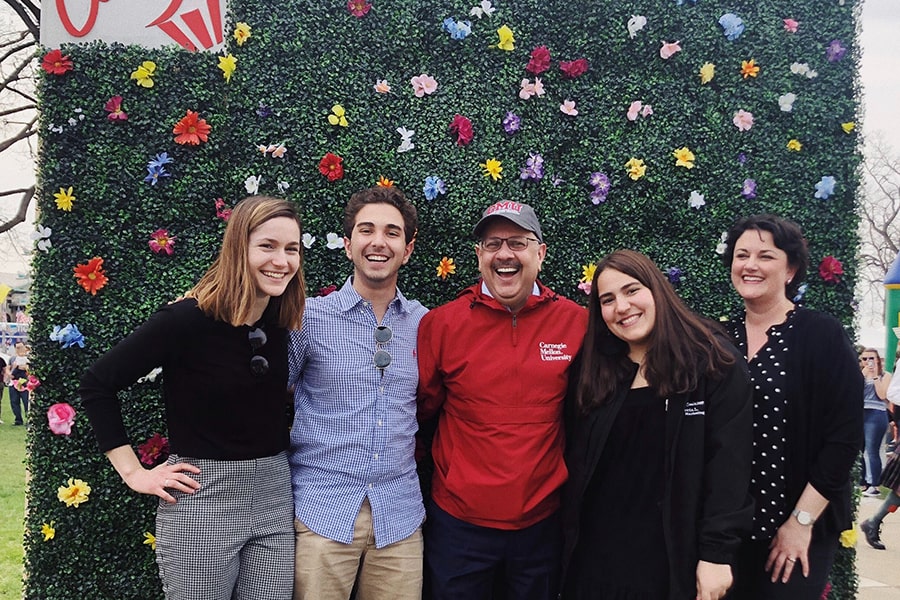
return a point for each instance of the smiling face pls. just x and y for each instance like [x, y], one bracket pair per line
[508, 275]
[377, 247]
[760, 271]
[628, 309]
[273, 256]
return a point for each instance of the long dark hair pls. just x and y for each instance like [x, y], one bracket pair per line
[682, 347]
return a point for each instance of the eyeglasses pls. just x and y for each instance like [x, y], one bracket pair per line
[382, 358]
[259, 366]
[516, 243]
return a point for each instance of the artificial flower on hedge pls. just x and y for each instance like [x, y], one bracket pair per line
[74, 493]
[433, 186]
[635, 24]
[831, 269]
[359, 8]
[673, 274]
[790, 25]
[161, 241]
[382, 86]
[743, 120]
[749, 68]
[462, 127]
[458, 30]
[191, 129]
[154, 450]
[825, 187]
[696, 200]
[568, 108]
[574, 68]
[156, 168]
[587, 277]
[707, 72]
[338, 116]
[406, 143]
[251, 184]
[308, 240]
[539, 61]
[242, 33]
[228, 64]
[848, 127]
[638, 108]
[600, 182]
[48, 531]
[330, 166]
[41, 236]
[492, 168]
[222, 211]
[511, 122]
[484, 9]
[669, 49]
[276, 150]
[835, 51]
[786, 102]
[114, 107]
[732, 25]
[446, 268]
[635, 168]
[384, 181]
[423, 84]
[67, 336]
[333, 241]
[143, 75]
[507, 40]
[529, 89]
[90, 275]
[683, 157]
[64, 199]
[149, 540]
[848, 537]
[55, 63]
[748, 189]
[794, 145]
[60, 417]
[533, 169]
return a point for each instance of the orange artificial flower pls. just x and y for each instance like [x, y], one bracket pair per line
[91, 276]
[446, 267]
[191, 129]
[749, 68]
[384, 181]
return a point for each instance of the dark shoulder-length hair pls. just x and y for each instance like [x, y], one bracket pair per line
[682, 347]
[787, 237]
[227, 291]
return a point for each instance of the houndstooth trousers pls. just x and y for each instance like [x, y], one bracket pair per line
[233, 539]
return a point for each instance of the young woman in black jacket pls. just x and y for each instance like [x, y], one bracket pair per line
[659, 445]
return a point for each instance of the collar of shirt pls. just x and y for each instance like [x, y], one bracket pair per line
[348, 298]
[535, 290]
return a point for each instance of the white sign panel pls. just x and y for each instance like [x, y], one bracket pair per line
[192, 24]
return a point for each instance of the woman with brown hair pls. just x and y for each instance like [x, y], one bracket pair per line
[659, 445]
[224, 524]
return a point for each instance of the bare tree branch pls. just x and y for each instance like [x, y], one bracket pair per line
[30, 15]
[19, 217]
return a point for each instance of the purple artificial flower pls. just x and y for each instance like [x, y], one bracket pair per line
[601, 185]
[835, 51]
[264, 111]
[748, 191]
[674, 275]
[742, 158]
[534, 167]
[557, 181]
[511, 122]
[598, 197]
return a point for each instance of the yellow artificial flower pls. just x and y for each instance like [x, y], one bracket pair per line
[338, 116]
[492, 168]
[707, 72]
[848, 126]
[848, 537]
[794, 145]
[143, 75]
[446, 267]
[241, 33]
[587, 272]
[48, 531]
[384, 181]
[150, 540]
[64, 199]
[684, 158]
[506, 39]
[749, 68]
[636, 168]
[73, 494]
[228, 64]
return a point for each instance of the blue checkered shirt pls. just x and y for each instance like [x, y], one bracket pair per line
[354, 428]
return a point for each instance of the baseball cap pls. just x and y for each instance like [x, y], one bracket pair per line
[520, 214]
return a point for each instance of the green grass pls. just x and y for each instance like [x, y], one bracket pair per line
[12, 502]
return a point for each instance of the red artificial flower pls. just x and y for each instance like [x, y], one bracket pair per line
[330, 166]
[831, 269]
[574, 68]
[191, 129]
[358, 8]
[327, 290]
[90, 275]
[540, 60]
[462, 127]
[114, 107]
[155, 449]
[55, 63]
[222, 211]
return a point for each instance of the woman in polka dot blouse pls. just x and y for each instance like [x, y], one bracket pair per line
[807, 415]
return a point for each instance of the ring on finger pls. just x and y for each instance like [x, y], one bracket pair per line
[792, 560]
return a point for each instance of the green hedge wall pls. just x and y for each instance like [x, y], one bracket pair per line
[304, 57]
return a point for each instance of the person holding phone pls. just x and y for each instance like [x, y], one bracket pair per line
[875, 419]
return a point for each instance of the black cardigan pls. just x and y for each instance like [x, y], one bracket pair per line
[706, 507]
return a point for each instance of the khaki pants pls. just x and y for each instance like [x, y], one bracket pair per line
[327, 570]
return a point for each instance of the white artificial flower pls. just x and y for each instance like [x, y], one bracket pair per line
[283, 186]
[720, 247]
[42, 236]
[334, 241]
[697, 199]
[485, 9]
[308, 240]
[251, 184]
[635, 24]
[786, 102]
[405, 139]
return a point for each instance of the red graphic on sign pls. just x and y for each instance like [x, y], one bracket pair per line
[67, 22]
[193, 19]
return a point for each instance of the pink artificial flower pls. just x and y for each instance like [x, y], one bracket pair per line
[568, 107]
[669, 48]
[539, 61]
[831, 269]
[585, 286]
[647, 110]
[743, 120]
[423, 84]
[155, 449]
[382, 86]
[634, 110]
[60, 417]
[531, 89]
[114, 107]
[358, 8]
[222, 211]
[462, 127]
[574, 68]
[790, 25]
[161, 241]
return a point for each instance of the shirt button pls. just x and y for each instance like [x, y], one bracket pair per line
[371, 486]
[376, 456]
[379, 422]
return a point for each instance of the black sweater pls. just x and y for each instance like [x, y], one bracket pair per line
[215, 407]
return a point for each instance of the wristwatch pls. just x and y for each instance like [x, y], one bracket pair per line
[803, 517]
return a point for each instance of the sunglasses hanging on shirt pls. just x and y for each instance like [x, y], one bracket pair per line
[259, 366]
[382, 358]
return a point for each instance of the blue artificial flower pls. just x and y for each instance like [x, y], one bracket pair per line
[433, 187]
[733, 26]
[67, 335]
[154, 173]
[458, 30]
[800, 292]
[674, 275]
[159, 160]
[825, 187]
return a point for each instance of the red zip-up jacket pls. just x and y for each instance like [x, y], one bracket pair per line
[500, 379]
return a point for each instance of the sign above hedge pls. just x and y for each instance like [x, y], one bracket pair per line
[191, 24]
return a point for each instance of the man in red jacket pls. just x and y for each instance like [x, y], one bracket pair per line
[493, 366]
